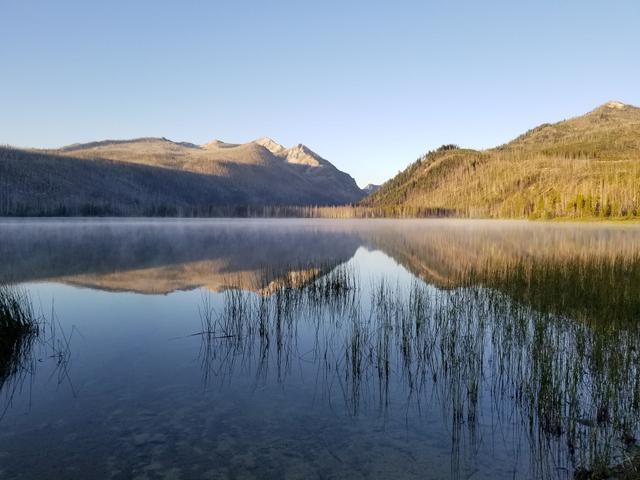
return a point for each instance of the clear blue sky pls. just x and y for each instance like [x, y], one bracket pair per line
[369, 85]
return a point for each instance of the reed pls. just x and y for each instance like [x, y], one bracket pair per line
[16, 313]
[19, 328]
[573, 384]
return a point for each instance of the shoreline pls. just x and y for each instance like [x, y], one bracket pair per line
[559, 220]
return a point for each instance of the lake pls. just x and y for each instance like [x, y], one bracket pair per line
[180, 349]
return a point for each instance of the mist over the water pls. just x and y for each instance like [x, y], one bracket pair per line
[495, 349]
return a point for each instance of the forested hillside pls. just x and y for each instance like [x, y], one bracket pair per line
[584, 167]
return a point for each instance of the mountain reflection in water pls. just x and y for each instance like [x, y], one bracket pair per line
[497, 349]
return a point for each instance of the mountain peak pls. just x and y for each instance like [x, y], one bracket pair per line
[270, 144]
[614, 104]
[302, 155]
[213, 144]
[371, 188]
[299, 147]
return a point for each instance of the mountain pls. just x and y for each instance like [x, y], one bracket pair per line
[155, 175]
[587, 166]
[370, 188]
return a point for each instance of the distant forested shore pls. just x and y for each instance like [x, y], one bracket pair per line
[9, 210]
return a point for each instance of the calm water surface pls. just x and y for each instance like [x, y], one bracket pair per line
[322, 349]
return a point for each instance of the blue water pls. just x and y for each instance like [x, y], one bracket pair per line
[124, 387]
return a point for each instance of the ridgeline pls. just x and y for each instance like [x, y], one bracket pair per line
[584, 167]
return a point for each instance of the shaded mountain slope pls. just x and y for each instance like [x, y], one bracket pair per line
[297, 166]
[155, 176]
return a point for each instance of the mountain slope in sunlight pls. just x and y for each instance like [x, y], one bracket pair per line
[588, 166]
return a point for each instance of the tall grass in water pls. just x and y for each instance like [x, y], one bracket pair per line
[592, 287]
[16, 313]
[582, 337]
[571, 386]
[18, 330]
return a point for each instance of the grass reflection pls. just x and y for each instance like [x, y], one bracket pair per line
[505, 344]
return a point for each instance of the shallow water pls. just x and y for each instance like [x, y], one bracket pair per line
[322, 349]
